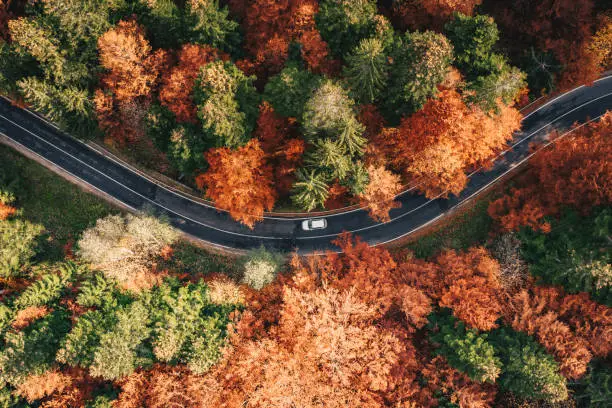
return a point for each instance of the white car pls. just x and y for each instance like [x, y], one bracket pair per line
[314, 224]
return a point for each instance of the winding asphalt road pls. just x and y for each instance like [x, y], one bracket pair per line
[217, 228]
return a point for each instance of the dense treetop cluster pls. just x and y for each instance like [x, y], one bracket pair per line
[520, 320]
[306, 103]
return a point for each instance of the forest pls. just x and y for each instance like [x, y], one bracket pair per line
[104, 309]
[308, 105]
[299, 105]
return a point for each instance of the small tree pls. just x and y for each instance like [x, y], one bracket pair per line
[513, 272]
[125, 247]
[261, 267]
[465, 350]
[240, 182]
[420, 63]
[379, 195]
[343, 23]
[366, 70]
[227, 103]
[289, 91]
[329, 113]
[310, 190]
[117, 354]
[17, 245]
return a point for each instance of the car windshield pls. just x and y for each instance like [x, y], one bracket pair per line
[317, 224]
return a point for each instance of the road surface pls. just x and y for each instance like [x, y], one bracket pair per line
[217, 228]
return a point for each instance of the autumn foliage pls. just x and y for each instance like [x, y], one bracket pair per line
[563, 27]
[420, 14]
[133, 67]
[283, 150]
[6, 211]
[177, 83]
[574, 171]
[437, 145]
[132, 73]
[239, 181]
[380, 193]
[269, 29]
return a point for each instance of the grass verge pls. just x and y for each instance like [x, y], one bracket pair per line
[468, 228]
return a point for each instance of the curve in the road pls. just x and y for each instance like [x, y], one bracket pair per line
[216, 227]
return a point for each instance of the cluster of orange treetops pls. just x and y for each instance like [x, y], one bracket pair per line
[346, 329]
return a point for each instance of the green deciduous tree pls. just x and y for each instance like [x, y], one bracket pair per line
[187, 327]
[366, 70]
[595, 388]
[209, 24]
[17, 245]
[420, 62]
[473, 38]
[528, 371]
[487, 73]
[343, 23]
[466, 350]
[32, 351]
[120, 351]
[80, 345]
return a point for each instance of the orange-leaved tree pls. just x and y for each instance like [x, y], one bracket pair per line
[428, 14]
[177, 83]
[379, 194]
[239, 181]
[436, 146]
[282, 151]
[532, 313]
[132, 66]
[270, 26]
[575, 171]
[132, 72]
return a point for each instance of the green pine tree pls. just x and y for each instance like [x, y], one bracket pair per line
[310, 190]
[528, 370]
[366, 70]
[466, 350]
